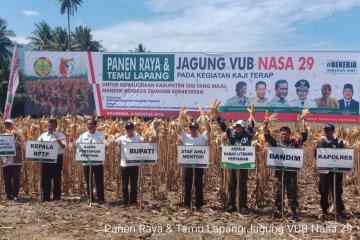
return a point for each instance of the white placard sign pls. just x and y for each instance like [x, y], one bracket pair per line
[242, 157]
[193, 156]
[7, 145]
[141, 152]
[40, 151]
[90, 153]
[287, 159]
[334, 159]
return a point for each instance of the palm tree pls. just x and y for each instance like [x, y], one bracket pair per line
[5, 42]
[70, 7]
[140, 48]
[42, 39]
[82, 40]
[59, 39]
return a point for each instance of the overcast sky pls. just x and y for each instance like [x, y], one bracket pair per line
[201, 25]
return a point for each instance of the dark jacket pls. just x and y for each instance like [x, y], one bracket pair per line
[235, 139]
[293, 143]
[354, 105]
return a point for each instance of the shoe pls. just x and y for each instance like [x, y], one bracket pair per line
[16, 199]
[230, 209]
[324, 217]
[9, 198]
[294, 216]
[341, 217]
[185, 205]
[277, 214]
[101, 202]
[244, 210]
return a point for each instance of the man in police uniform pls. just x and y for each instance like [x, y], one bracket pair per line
[302, 90]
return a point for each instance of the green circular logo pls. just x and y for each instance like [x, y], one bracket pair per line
[42, 66]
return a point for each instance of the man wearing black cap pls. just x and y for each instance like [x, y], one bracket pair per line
[302, 90]
[240, 99]
[194, 138]
[129, 171]
[327, 178]
[241, 136]
[347, 102]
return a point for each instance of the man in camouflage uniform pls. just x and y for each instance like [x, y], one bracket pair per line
[290, 177]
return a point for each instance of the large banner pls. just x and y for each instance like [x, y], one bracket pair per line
[159, 84]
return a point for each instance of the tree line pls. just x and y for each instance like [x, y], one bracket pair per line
[45, 38]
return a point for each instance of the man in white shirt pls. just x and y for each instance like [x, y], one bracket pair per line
[129, 171]
[194, 138]
[52, 171]
[11, 165]
[302, 90]
[97, 169]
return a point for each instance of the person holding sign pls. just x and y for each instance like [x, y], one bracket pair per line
[52, 171]
[129, 171]
[290, 177]
[326, 178]
[97, 169]
[11, 165]
[197, 139]
[241, 136]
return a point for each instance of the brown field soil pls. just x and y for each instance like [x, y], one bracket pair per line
[162, 217]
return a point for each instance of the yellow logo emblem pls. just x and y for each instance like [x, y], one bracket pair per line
[42, 66]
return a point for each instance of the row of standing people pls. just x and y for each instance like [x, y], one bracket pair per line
[51, 172]
[241, 135]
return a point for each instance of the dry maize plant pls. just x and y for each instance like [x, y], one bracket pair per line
[166, 174]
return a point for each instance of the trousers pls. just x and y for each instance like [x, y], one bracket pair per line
[232, 187]
[12, 180]
[326, 181]
[97, 172]
[129, 174]
[52, 172]
[198, 182]
[290, 185]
